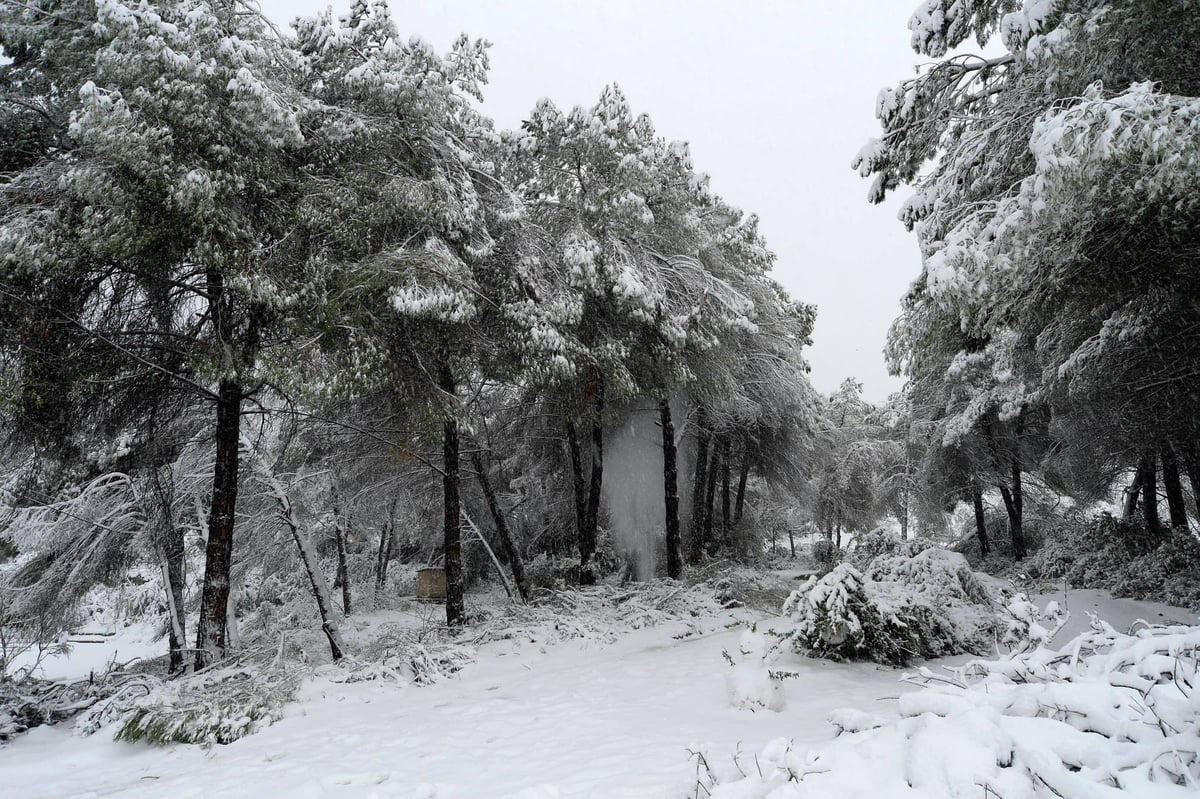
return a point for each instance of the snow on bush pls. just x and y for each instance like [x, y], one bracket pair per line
[903, 607]
[752, 684]
[1122, 556]
[825, 553]
[1107, 715]
[208, 708]
[602, 612]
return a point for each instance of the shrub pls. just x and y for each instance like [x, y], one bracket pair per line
[880, 542]
[904, 607]
[1122, 556]
[825, 553]
[550, 573]
[206, 710]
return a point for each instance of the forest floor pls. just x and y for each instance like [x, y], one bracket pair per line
[524, 721]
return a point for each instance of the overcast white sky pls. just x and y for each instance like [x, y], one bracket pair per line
[775, 97]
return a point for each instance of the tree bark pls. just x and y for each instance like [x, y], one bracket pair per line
[792, 541]
[515, 563]
[739, 504]
[587, 542]
[1173, 487]
[980, 519]
[451, 511]
[211, 640]
[1192, 465]
[1013, 504]
[710, 493]
[671, 492]
[385, 550]
[726, 517]
[1150, 495]
[1133, 492]
[699, 483]
[577, 482]
[339, 532]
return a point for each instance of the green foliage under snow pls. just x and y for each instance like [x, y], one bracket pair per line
[899, 608]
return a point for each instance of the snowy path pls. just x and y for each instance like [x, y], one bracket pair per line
[577, 720]
[591, 721]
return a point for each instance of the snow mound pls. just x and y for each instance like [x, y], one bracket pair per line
[752, 684]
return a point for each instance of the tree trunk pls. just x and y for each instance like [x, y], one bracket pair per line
[792, 541]
[174, 562]
[726, 518]
[587, 542]
[515, 563]
[1150, 495]
[980, 519]
[451, 512]
[739, 504]
[577, 483]
[171, 552]
[1133, 492]
[385, 550]
[1174, 488]
[1013, 504]
[308, 559]
[839, 530]
[218, 554]
[1016, 534]
[710, 493]
[699, 483]
[671, 492]
[339, 533]
[1192, 464]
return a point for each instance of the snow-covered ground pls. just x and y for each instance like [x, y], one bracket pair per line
[576, 719]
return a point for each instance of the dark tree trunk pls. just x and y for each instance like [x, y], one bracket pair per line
[1150, 495]
[726, 509]
[743, 473]
[502, 532]
[339, 532]
[710, 493]
[671, 492]
[699, 483]
[385, 550]
[1013, 504]
[839, 531]
[1192, 464]
[579, 491]
[451, 515]
[1133, 492]
[218, 553]
[792, 541]
[1016, 533]
[587, 541]
[980, 519]
[1174, 488]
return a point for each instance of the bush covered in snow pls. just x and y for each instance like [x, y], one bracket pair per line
[1122, 556]
[826, 553]
[209, 708]
[1106, 715]
[899, 608]
[881, 542]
